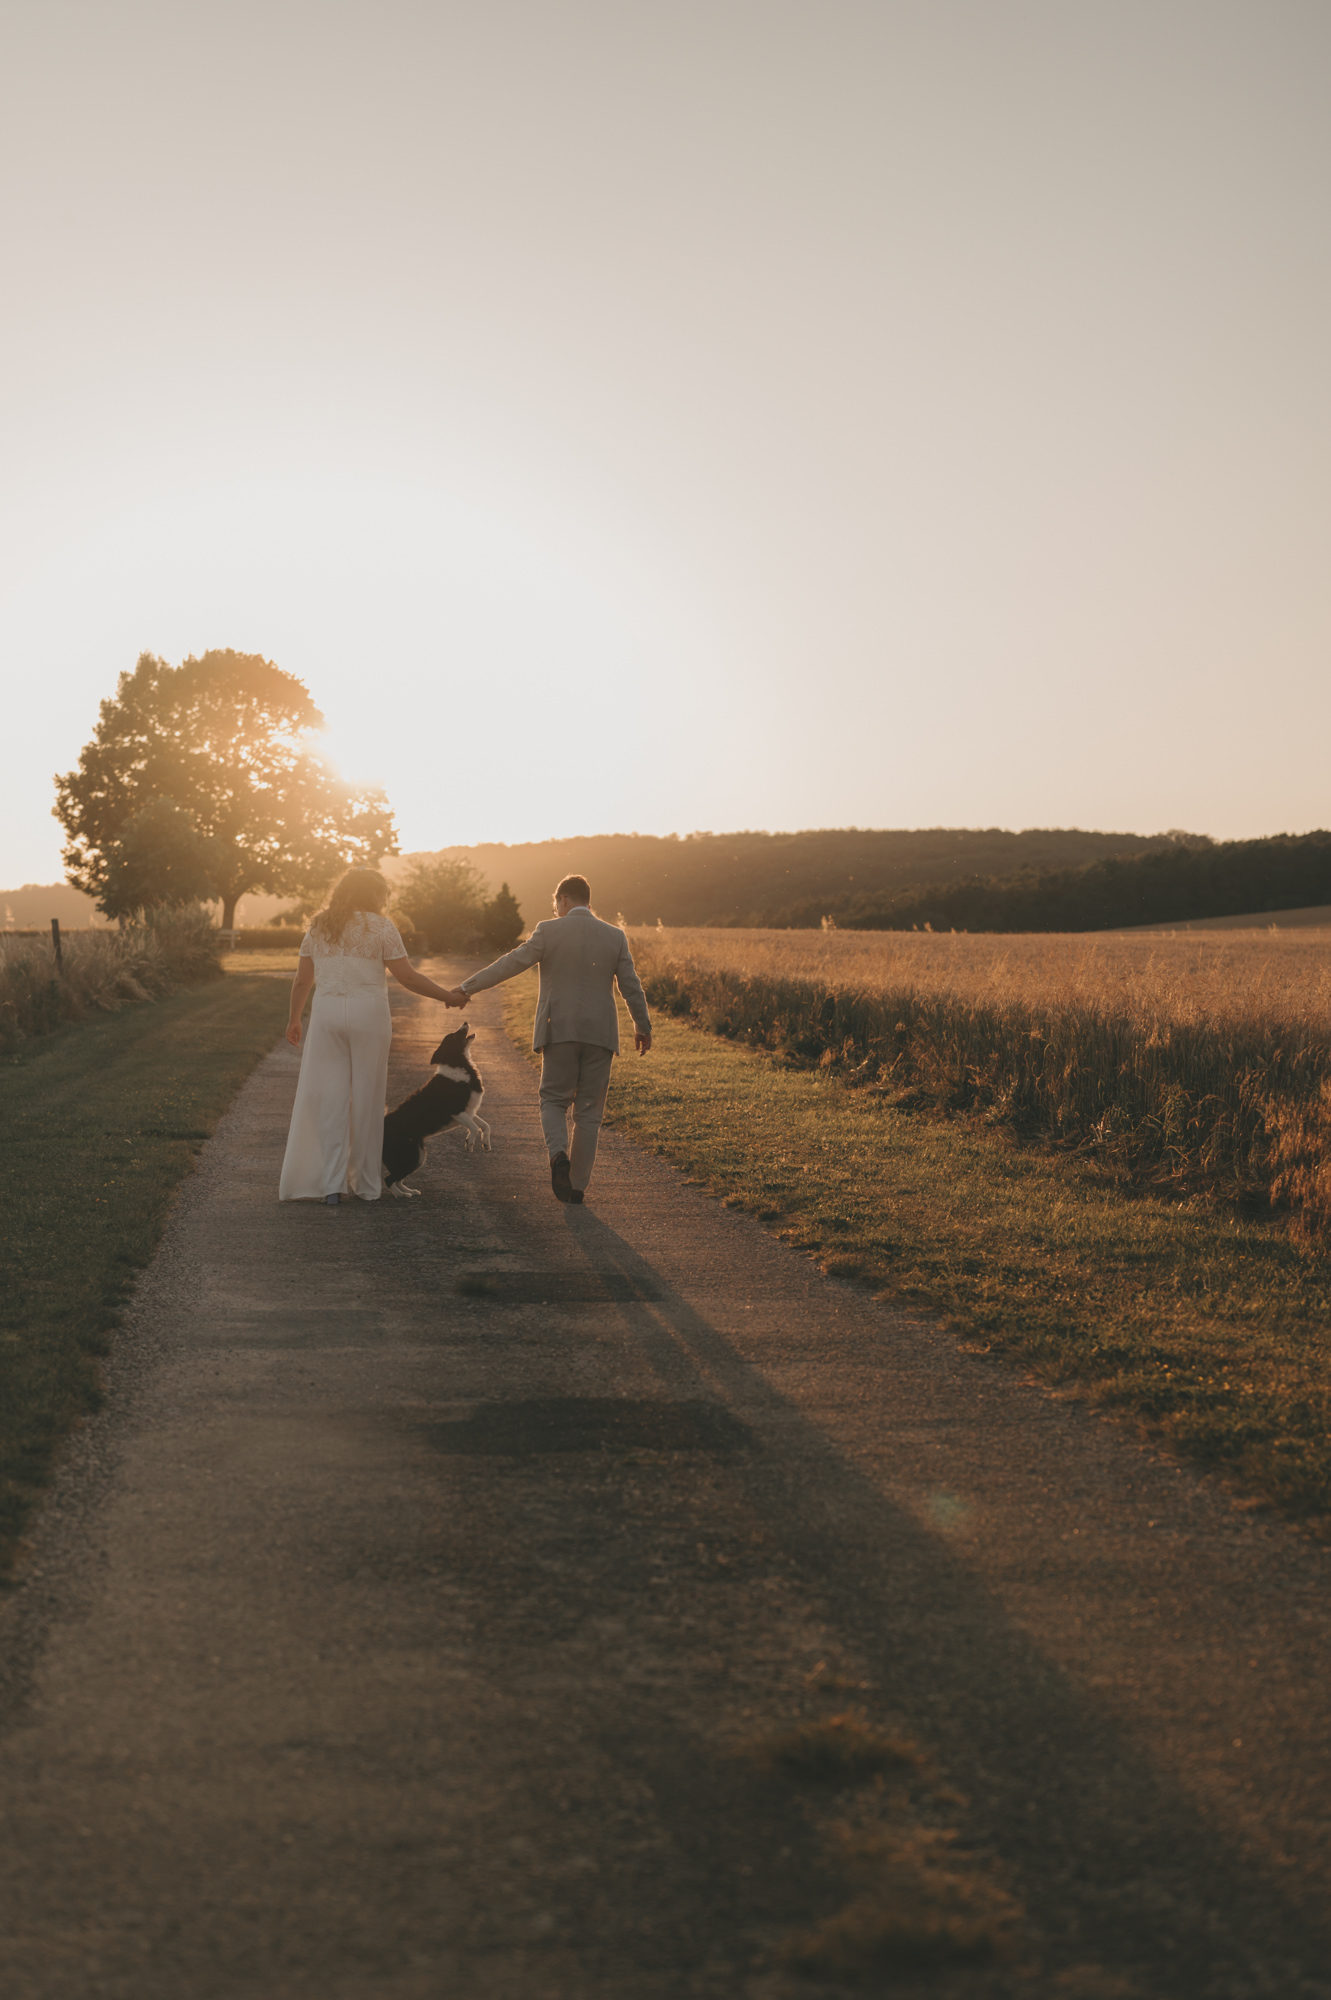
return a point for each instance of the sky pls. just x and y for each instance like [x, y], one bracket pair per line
[727, 414]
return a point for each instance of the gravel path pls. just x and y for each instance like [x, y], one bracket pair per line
[398, 1630]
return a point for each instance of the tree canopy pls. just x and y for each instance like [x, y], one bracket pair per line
[157, 858]
[225, 739]
[501, 921]
[443, 900]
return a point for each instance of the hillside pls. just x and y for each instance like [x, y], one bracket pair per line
[1185, 881]
[33, 906]
[1315, 918]
[778, 878]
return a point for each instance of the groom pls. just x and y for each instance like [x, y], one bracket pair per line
[577, 1023]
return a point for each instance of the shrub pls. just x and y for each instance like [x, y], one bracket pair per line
[185, 937]
[501, 921]
[444, 902]
[101, 970]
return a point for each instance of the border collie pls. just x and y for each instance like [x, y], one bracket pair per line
[451, 1097]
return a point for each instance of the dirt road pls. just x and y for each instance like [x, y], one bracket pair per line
[424, 1617]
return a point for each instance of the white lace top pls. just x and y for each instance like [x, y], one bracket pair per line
[355, 964]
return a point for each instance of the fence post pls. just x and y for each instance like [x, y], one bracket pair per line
[55, 940]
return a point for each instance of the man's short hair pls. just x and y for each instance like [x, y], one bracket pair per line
[574, 889]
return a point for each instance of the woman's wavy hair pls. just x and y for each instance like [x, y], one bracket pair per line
[359, 890]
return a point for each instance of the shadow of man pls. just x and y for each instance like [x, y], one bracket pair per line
[1111, 1855]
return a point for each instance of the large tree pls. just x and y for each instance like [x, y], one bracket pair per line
[158, 858]
[226, 738]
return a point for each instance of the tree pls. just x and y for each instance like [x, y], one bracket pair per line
[501, 921]
[158, 858]
[444, 900]
[225, 737]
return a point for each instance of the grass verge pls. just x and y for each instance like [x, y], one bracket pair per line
[1212, 1330]
[98, 1124]
[270, 964]
[1179, 1067]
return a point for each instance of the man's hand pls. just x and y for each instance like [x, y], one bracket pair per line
[454, 996]
[642, 1043]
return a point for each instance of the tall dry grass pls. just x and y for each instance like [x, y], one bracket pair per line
[101, 970]
[1200, 1060]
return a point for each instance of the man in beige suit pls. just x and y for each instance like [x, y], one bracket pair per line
[577, 1023]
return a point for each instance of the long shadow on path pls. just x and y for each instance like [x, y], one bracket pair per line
[1114, 1861]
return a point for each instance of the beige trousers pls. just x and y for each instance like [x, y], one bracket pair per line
[574, 1076]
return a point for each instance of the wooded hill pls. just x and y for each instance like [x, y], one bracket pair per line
[1046, 879]
[1185, 880]
[779, 879]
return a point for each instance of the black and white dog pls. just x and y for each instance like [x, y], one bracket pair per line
[451, 1097]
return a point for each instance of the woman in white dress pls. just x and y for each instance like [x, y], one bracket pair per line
[335, 1144]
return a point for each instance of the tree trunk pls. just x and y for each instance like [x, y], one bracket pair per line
[229, 912]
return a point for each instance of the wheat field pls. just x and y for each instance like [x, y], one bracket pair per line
[1183, 976]
[1196, 1059]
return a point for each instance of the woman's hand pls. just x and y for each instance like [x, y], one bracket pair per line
[300, 993]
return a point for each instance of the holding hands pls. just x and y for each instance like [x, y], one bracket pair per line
[454, 996]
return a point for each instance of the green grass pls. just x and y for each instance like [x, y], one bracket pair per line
[1211, 1329]
[98, 1124]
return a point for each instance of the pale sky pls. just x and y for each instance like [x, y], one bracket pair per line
[720, 414]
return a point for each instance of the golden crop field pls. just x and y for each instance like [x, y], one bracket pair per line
[1181, 975]
[1197, 1059]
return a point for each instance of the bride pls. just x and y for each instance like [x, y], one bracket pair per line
[335, 1143]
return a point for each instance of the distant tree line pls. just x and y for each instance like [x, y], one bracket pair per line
[784, 879]
[1190, 878]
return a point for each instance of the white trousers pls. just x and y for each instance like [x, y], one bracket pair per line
[336, 1141]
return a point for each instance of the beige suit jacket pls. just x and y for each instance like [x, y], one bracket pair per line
[581, 961]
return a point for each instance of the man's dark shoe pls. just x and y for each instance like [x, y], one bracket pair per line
[575, 1196]
[559, 1179]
